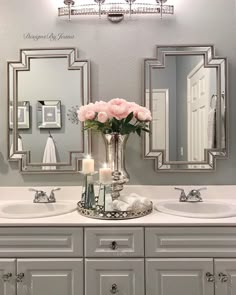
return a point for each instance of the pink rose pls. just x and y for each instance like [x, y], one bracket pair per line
[143, 114]
[102, 117]
[81, 113]
[133, 108]
[118, 108]
[90, 115]
[83, 110]
[100, 106]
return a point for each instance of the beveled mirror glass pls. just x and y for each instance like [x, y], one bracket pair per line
[186, 89]
[51, 81]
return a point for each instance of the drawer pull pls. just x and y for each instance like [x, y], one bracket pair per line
[6, 277]
[19, 277]
[114, 289]
[223, 278]
[114, 245]
[210, 277]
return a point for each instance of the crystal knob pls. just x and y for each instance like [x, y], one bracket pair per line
[19, 277]
[114, 245]
[223, 278]
[210, 277]
[6, 276]
[114, 289]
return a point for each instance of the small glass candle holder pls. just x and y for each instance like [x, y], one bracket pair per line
[88, 195]
[104, 197]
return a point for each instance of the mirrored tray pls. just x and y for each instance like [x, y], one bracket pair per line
[99, 213]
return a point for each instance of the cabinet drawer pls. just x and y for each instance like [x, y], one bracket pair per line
[114, 242]
[190, 242]
[114, 276]
[41, 242]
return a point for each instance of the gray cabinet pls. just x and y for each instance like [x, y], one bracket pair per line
[114, 276]
[178, 276]
[225, 276]
[50, 276]
[7, 277]
[41, 276]
[118, 260]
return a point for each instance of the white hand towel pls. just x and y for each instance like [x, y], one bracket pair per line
[49, 155]
[20, 149]
[143, 200]
[121, 206]
[211, 128]
[132, 201]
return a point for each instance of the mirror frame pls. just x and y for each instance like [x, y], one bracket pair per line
[13, 68]
[210, 60]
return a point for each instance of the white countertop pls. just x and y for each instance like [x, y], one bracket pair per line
[156, 193]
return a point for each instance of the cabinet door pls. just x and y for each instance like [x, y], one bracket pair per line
[7, 276]
[225, 272]
[114, 276]
[179, 276]
[50, 276]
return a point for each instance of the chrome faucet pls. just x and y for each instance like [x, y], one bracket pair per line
[193, 196]
[42, 197]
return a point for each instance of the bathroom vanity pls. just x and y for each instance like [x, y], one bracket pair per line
[158, 254]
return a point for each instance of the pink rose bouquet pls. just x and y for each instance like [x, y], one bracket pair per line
[116, 115]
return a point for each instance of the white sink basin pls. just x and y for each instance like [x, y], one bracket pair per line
[197, 210]
[27, 209]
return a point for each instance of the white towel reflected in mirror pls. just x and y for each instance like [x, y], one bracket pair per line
[19, 149]
[49, 156]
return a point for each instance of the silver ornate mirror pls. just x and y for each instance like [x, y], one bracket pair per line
[186, 89]
[47, 83]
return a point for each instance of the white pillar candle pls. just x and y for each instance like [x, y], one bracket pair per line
[105, 175]
[88, 165]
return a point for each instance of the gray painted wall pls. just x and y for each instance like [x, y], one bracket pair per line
[116, 52]
[166, 79]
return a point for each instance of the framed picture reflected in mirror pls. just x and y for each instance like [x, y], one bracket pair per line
[23, 115]
[49, 114]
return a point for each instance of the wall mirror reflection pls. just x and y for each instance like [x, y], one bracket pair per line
[186, 89]
[51, 81]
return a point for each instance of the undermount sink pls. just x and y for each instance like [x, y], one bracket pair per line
[27, 209]
[197, 210]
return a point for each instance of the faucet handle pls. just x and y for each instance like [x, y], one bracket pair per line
[55, 189]
[201, 189]
[179, 189]
[183, 196]
[52, 195]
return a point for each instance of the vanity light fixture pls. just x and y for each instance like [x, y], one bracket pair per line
[115, 11]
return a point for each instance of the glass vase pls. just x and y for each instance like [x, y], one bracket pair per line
[115, 144]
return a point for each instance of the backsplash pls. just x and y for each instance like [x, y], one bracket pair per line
[117, 52]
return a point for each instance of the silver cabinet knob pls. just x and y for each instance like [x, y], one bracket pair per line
[114, 245]
[223, 278]
[114, 289]
[6, 277]
[210, 277]
[19, 277]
